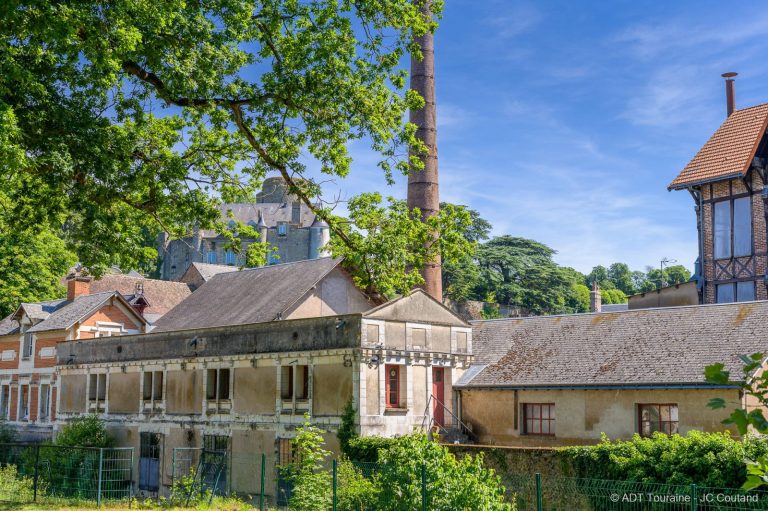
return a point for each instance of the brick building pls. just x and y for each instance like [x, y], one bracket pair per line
[726, 179]
[30, 337]
[281, 219]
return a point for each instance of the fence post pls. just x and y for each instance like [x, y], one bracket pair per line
[98, 488]
[37, 472]
[334, 484]
[263, 469]
[423, 487]
[130, 481]
[539, 499]
[694, 497]
[173, 467]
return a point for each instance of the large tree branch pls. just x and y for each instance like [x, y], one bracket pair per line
[142, 74]
[292, 185]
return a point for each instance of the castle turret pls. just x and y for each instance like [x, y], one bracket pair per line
[262, 228]
[319, 236]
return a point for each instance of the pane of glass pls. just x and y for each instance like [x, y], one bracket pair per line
[673, 413]
[552, 412]
[725, 293]
[722, 230]
[645, 428]
[672, 428]
[545, 412]
[664, 413]
[742, 227]
[745, 291]
[545, 427]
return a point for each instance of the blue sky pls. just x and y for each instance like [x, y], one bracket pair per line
[565, 121]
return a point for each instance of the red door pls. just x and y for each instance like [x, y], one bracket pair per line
[438, 392]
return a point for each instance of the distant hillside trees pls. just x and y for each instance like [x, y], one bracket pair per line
[522, 272]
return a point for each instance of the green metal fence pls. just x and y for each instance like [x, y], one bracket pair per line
[49, 473]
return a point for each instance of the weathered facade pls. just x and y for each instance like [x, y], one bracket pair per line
[282, 220]
[726, 179]
[560, 380]
[246, 376]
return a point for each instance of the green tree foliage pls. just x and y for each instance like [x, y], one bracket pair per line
[84, 431]
[390, 242]
[309, 473]
[31, 267]
[121, 118]
[753, 383]
[708, 459]
[621, 277]
[461, 276]
[677, 274]
[522, 272]
[611, 296]
[451, 483]
[599, 274]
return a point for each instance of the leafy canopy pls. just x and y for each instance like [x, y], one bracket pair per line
[753, 383]
[121, 118]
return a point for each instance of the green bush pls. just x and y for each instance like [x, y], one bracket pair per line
[347, 430]
[309, 474]
[7, 433]
[706, 459]
[14, 487]
[86, 431]
[355, 492]
[367, 448]
[451, 483]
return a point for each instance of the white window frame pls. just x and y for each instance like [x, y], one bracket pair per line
[8, 356]
[27, 348]
[23, 417]
[5, 401]
[44, 409]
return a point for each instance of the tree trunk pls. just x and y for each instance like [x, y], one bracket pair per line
[423, 190]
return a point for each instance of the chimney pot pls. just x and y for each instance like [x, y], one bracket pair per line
[730, 93]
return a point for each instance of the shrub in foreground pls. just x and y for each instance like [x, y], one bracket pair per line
[707, 459]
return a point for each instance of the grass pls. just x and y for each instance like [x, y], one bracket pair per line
[219, 504]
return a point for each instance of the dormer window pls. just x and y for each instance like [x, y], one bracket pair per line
[26, 351]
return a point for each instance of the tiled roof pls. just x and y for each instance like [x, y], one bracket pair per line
[161, 295]
[664, 346]
[614, 307]
[72, 312]
[729, 151]
[9, 326]
[249, 296]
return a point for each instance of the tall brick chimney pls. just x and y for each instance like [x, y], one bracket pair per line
[78, 286]
[730, 92]
[595, 299]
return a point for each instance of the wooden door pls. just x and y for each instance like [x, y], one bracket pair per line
[438, 393]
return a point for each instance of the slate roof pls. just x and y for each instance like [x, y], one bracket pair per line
[271, 214]
[161, 295]
[614, 307]
[72, 312]
[207, 271]
[9, 326]
[663, 346]
[248, 296]
[729, 151]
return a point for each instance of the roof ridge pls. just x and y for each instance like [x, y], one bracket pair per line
[275, 265]
[671, 307]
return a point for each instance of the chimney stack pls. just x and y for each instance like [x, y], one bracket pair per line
[78, 286]
[595, 299]
[730, 93]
